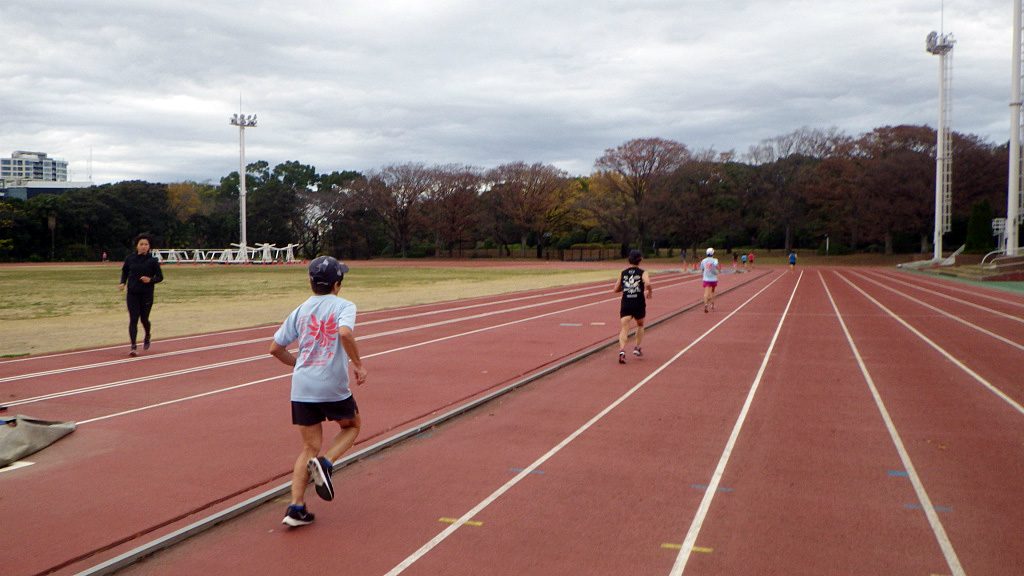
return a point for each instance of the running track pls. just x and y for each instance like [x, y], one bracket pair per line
[827, 421]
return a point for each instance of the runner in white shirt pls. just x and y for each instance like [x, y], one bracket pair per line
[710, 268]
[323, 329]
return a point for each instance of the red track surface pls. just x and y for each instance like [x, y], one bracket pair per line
[746, 441]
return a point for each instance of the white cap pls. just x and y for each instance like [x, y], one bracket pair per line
[711, 251]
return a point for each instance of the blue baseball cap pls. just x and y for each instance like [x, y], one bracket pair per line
[326, 270]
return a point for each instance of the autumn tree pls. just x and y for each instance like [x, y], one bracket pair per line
[395, 194]
[451, 205]
[634, 171]
[533, 198]
[897, 185]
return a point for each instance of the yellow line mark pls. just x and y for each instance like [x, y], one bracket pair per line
[702, 550]
[466, 523]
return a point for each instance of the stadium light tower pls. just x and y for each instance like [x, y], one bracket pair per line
[243, 122]
[1015, 188]
[942, 46]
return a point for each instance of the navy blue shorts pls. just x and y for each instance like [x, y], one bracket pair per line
[309, 413]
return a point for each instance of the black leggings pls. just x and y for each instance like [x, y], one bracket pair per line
[139, 306]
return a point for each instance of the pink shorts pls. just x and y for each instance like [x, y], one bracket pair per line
[710, 284]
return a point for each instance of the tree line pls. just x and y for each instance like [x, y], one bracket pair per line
[872, 192]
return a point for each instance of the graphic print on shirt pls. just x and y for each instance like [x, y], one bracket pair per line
[632, 283]
[322, 335]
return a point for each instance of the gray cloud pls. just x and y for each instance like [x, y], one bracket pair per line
[147, 87]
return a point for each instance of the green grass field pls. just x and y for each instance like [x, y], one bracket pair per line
[64, 307]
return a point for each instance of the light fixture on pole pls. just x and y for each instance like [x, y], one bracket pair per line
[243, 122]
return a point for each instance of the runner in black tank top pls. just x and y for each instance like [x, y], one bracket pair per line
[636, 288]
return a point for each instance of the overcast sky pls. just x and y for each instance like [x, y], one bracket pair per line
[147, 87]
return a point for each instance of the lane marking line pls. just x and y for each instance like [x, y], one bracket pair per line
[266, 356]
[705, 487]
[938, 507]
[596, 292]
[443, 535]
[454, 520]
[703, 550]
[716, 478]
[936, 347]
[953, 298]
[700, 549]
[933, 518]
[272, 327]
[287, 374]
[147, 549]
[15, 465]
[570, 324]
[1003, 299]
[521, 469]
[948, 314]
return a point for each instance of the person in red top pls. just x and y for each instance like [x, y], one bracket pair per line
[750, 258]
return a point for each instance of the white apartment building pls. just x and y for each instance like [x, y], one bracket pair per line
[23, 165]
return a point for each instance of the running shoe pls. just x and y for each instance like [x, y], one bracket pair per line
[705, 308]
[637, 351]
[298, 516]
[134, 352]
[320, 471]
[145, 343]
[622, 357]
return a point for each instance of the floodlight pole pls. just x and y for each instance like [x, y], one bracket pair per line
[243, 122]
[942, 45]
[1014, 187]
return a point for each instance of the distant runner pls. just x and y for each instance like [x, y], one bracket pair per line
[710, 268]
[792, 260]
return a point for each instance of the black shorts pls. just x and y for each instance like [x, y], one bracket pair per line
[635, 309]
[309, 413]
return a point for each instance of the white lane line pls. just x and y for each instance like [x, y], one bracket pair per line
[468, 516]
[946, 314]
[179, 400]
[138, 380]
[126, 360]
[979, 294]
[288, 374]
[716, 478]
[366, 323]
[908, 465]
[267, 357]
[953, 298]
[1013, 404]
[270, 327]
[259, 357]
[121, 346]
[15, 466]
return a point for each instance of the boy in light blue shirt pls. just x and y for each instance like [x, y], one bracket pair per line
[323, 328]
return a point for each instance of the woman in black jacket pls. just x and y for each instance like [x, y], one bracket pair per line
[141, 271]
